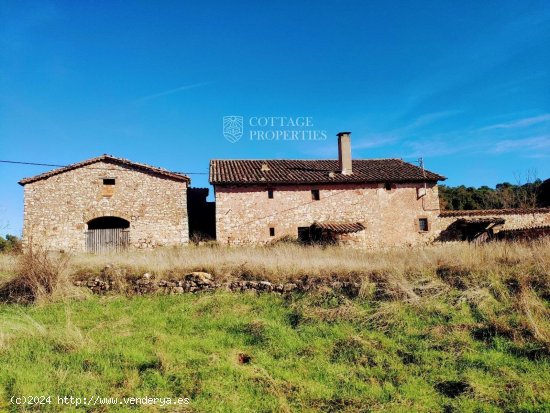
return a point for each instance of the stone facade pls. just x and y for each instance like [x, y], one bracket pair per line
[61, 206]
[245, 213]
[58, 208]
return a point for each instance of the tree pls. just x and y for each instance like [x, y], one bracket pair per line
[531, 194]
[10, 244]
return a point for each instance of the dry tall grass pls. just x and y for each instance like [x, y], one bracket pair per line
[508, 284]
[499, 280]
[7, 265]
[66, 337]
[37, 275]
[283, 262]
[288, 262]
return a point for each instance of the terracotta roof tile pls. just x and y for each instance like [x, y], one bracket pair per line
[112, 160]
[479, 212]
[487, 221]
[340, 227]
[241, 172]
[541, 228]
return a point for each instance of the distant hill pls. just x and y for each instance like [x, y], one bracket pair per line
[504, 195]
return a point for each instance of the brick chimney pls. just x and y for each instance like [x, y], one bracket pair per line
[344, 153]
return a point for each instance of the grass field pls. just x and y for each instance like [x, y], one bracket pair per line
[460, 329]
[284, 262]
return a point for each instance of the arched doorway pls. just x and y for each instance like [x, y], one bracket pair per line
[107, 234]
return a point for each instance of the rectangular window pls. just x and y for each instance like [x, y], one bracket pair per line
[108, 188]
[315, 195]
[270, 193]
[423, 224]
[388, 186]
[271, 232]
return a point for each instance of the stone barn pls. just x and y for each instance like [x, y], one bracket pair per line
[105, 204]
[359, 202]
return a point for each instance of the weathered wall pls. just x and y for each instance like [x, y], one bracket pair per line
[513, 219]
[245, 214]
[58, 208]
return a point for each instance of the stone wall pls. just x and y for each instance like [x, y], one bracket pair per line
[513, 219]
[196, 282]
[57, 209]
[245, 214]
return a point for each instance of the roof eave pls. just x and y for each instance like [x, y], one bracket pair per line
[241, 183]
[107, 158]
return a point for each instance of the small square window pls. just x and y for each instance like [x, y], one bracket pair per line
[423, 224]
[315, 195]
[270, 193]
[108, 181]
[271, 232]
[388, 186]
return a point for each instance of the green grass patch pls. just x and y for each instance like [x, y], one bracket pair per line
[313, 353]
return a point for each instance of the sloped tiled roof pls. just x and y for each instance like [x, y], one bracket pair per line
[240, 172]
[486, 220]
[112, 160]
[543, 229]
[481, 212]
[340, 227]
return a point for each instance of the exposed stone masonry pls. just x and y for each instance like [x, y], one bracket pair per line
[244, 214]
[58, 208]
[513, 220]
[195, 282]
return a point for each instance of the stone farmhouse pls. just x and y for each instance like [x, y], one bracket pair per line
[379, 202]
[110, 204]
[364, 203]
[105, 203]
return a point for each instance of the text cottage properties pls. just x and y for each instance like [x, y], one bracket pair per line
[284, 128]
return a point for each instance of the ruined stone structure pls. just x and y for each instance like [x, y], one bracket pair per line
[105, 203]
[365, 203]
[484, 224]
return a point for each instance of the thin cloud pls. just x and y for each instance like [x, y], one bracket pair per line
[473, 60]
[331, 150]
[429, 118]
[540, 144]
[519, 123]
[171, 91]
[375, 141]
[532, 147]
[434, 148]
[393, 136]
[401, 133]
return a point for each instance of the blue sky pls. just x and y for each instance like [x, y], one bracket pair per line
[465, 85]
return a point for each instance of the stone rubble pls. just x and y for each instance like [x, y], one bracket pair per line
[196, 282]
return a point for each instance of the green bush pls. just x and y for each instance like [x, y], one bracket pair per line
[10, 244]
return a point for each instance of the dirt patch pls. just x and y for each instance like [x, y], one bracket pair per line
[452, 388]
